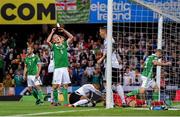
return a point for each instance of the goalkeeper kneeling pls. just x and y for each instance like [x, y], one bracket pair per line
[86, 95]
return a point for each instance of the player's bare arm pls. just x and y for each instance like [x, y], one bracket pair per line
[50, 36]
[157, 63]
[39, 70]
[96, 92]
[25, 71]
[101, 59]
[70, 36]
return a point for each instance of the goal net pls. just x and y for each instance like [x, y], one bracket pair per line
[140, 27]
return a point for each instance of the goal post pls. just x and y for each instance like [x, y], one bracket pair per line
[159, 46]
[109, 54]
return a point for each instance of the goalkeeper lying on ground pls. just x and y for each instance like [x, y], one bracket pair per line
[84, 96]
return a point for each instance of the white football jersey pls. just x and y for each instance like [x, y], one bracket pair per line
[86, 89]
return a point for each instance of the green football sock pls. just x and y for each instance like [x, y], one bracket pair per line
[40, 95]
[155, 96]
[55, 95]
[35, 93]
[65, 95]
[134, 92]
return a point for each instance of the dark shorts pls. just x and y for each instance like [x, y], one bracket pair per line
[115, 75]
[95, 97]
[74, 98]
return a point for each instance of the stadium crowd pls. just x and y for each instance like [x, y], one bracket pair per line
[131, 50]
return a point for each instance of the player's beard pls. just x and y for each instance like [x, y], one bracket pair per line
[30, 53]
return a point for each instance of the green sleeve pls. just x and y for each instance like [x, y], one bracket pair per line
[155, 58]
[65, 44]
[52, 46]
[38, 59]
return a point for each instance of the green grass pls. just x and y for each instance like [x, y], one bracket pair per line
[27, 107]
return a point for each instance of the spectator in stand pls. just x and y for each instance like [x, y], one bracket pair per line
[15, 62]
[8, 84]
[98, 55]
[36, 48]
[133, 61]
[139, 53]
[91, 56]
[77, 73]
[1, 67]
[88, 73]
[90, 68]
[8, 81]
[82, 55]
[23, 55]
[30, 41]
[18, 79]
[18, 82]
[11, 72]
[45, 45]
[9, 57]
[137, 79]
[95, 48]
[97, 77]
[127, 77]
[140, 66]
[1, 89]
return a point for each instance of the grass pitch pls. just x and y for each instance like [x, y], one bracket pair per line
[27, 107]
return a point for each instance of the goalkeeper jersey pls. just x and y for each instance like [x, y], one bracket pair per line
[148, 67]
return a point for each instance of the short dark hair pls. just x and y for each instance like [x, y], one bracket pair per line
[159, 50]
[103, 27]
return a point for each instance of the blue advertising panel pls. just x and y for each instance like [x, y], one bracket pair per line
[125, 11]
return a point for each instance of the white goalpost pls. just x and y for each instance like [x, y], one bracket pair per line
[159, 46]
[109, 54]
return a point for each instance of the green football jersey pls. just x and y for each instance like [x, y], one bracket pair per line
[31, 63]
[148, 67]
[60, 55]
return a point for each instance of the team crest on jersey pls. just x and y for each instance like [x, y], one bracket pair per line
[33, 59]
[60, 47]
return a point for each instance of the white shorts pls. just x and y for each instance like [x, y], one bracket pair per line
[61, 76]
[147, 82]
[32, 81]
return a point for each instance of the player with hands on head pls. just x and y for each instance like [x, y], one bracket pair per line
[61, 63]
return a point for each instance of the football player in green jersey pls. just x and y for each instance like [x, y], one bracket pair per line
[147, 75]
[32, 69]
[61, 63]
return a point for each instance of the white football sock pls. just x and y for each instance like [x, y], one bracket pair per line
[52, 97]
[80, 102]
[121, 93]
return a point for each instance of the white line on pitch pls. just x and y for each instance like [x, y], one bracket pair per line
[65, 111]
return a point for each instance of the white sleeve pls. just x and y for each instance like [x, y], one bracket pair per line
[95, 91]
[113, 41]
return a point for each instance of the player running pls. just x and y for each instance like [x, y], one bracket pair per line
[61, 75]
[32, 69]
